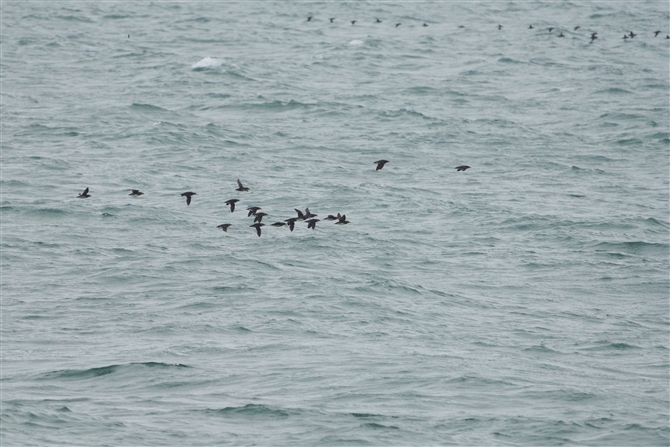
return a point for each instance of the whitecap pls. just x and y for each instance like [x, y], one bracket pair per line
[356, 42]
[207, 62]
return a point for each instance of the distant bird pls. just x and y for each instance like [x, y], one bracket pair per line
[301, 216]
[551, 29]
[342, 220]
[577, 27]
[380, 164]
[291, 222]
[462, 167]
[424, 24]
[461, 26]
[312, 223]
[593, 37]
[668, 36]
[258, 226]
[331, 217]
[656, 33]
[398, 24]
[232, 203]
[252, 210]
[378, 21]
[561, 35]
[331, 19]
[279, 224]
[259, 217]
[84, 195]
[135, 192]
[308, 214]
[353, 22]
[625, 36]
[224, 227]
[530, 26]
[188, 196]
[499, 27]
[632, 34]
[309, 19]
[241, 188]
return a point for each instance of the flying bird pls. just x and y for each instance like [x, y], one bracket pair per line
[577, 27]
[279, 224]
[258, 226]
[252, 210]
[291, 222]
[259, 217]
[241, 187]
[224, 227]
[312, 223]
[462, 167]
[188, 196]
[656, 33]
[135, 192]
[380, 164]
[342, 220]
[232, 203]
[84, 195]
[331, 217]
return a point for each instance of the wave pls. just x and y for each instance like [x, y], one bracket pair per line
[251, 410]
[206, 63]
[105, 370]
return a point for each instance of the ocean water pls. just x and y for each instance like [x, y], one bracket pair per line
[521, 302]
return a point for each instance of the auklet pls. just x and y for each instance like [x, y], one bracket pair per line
[279, 224]
[291, 222]
[331, 217]
[258, 226]
[668, 36]
[135, 192]
[398, 24]
[188, 196]
[224, 227]
[632, 34]
[308, 214]
[462, 167]
[342, 221]
[232, 203]
[625, 37]
[309, 19]
[312, 223]
[378, 21]
[353, 22]
[530, 26]
[331, 19]
[252, 210]
[656, 33]
[300, 215]
[561, 35]
[241, 188]
[577, 27]
[424, 24]
[550, 29]
[259, 217]
[593, 37]
[499, 27]
[84, 195]
[380, 164]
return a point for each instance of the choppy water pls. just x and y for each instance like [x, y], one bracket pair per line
[521, 302]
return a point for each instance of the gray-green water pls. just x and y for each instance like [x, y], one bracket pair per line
[521, 302]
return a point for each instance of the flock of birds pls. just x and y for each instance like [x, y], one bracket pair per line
[594, 35]
[258, 215]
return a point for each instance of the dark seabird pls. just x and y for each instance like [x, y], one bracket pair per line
[656, 33]
[461, 26]
[291, 222]
[550, 29]
[241, 188]
[309, 19]
[378, 21]
[353, 22]
[561, 35]
[342, 221]
[593, 37]
[300, 215]
[259, 217]
[232, 203]
[425, 24]
[398, 24]
[308, 214]
[462, 167]
[625, 36]
[331, 217]
[380, 164]
[312, 223]
[331, 19]
[135, 192]
[279, 224]
[84, 195]
[258, 226]
[530, 26]
[224, 227]
[499, 27]
[577, 27]
[252, 210]
[668, 36]
[188, 196]
[632, 34]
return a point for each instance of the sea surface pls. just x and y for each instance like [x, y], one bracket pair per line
[524, 301]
